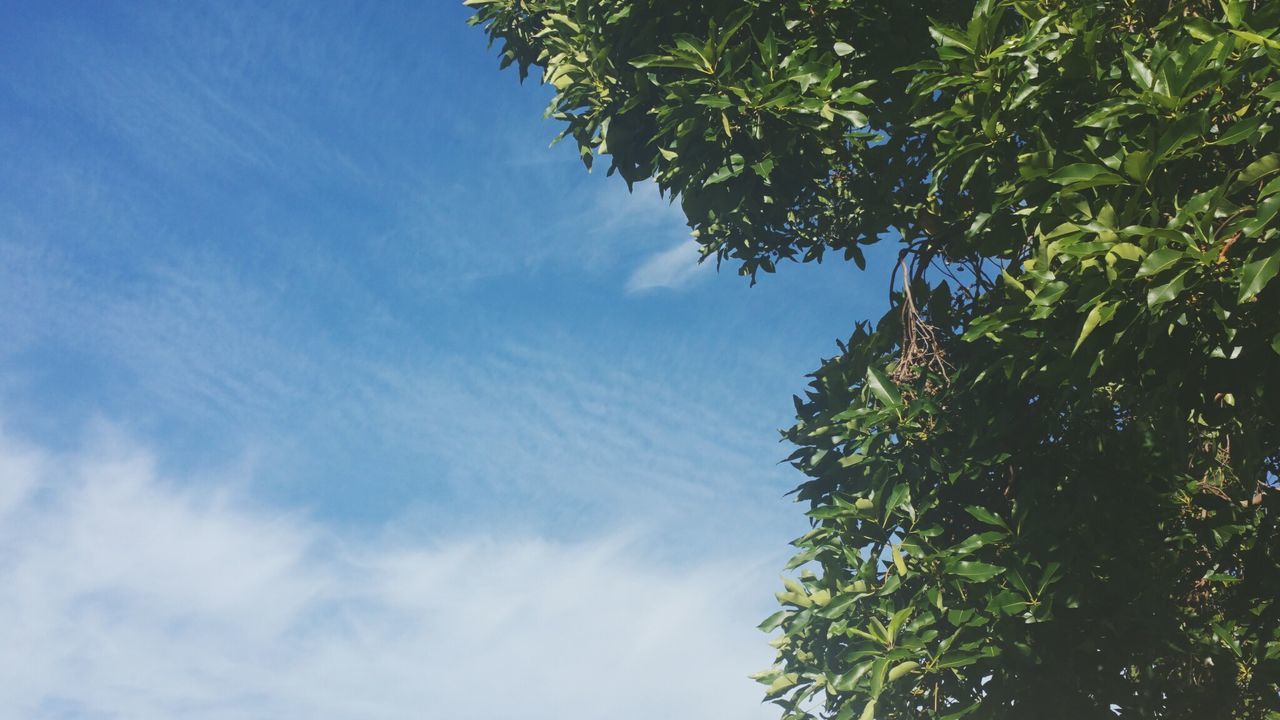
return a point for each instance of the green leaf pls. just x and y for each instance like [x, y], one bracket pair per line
[1267, 210]
[972, 570]
[897, 495]
[1049, 294]
[838, 606]
[733, 23]
[881, 632]
[849, 680]
[1138, 70]
[1007, 602]
[715, 101]
[1202, 29]
[846, 711]
[977, 541]
[882, 387]
[1255, 276]
[1016, 284]
[772, 622]
[878, 670]
[890, 586]
[1099, 171]
[1017, 578]
[899, 618]
[854, 117]
[1259, 169]
[958, 660]
[1085, 173]
[1137, 165]
[781, 685]
[1126, 251]
[1097, 316]
[807, 556]
[986, 516]
[1051, 572]
[1234, 10]
[1182, 131]
[898, 561]
[1242, 130]
[948, 38]
[1160, 295]
[1257, 39]
[721, 175]
[662, 61]
[1159, 260]
[903, 669]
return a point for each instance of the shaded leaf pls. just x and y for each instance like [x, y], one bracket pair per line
[1164, 293]
[986, 516]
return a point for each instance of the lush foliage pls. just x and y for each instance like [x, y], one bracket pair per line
[1043, 485]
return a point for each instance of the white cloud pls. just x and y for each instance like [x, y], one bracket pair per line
[128, 595]
[544, 427]
[674, 267]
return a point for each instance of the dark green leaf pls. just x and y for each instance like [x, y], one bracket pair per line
[1084, 173]
[1164, 293]
[1255, 275]
[1137, 165]
[986, 516]
[882, 387]
[1259, 169]
[973, 570]
[1240, 131]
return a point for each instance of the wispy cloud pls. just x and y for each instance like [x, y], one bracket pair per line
[129, 595]
[538, 424]
[303, 131]
[672, 268]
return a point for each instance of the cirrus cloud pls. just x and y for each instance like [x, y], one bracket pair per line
[672, 268]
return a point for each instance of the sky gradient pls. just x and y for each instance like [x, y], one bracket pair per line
[327, 390]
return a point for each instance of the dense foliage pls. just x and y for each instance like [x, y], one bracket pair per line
[1045, 484]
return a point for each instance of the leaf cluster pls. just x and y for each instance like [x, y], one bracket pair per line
[1045, 483]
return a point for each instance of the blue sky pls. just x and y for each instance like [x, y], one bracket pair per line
[327, 390]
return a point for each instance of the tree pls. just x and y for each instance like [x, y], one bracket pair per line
[1044, 485]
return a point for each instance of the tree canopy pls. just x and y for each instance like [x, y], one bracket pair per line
[1044, 485]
